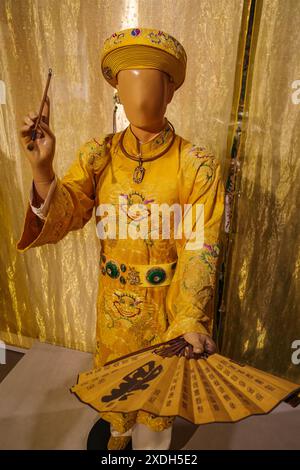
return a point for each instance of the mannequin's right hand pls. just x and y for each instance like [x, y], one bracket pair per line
[41, 157]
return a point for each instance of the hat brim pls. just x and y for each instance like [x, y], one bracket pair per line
[141, 57]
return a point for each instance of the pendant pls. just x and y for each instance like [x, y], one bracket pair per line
[138, 173]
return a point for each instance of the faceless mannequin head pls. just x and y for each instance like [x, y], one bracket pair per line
[145, 94]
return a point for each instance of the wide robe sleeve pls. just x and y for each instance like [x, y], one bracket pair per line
[73, 200]
[190, 297]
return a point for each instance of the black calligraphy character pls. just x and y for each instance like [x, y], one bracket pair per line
[136, 380]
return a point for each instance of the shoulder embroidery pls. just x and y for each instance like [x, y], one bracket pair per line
[201, 159]
[97, 149]
[198, 152]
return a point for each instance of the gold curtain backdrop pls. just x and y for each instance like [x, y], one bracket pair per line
[263, 295]
[49, 293]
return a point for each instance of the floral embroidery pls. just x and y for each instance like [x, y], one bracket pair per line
[210, 255]
[94, 151]
[166, 41]
[156, 37]
[203, 158]
[117, 37]
[197, 151]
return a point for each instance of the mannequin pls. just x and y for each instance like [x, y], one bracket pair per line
[133, 310]
[145, 95]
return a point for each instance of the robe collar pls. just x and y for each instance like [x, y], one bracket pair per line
[151, 148]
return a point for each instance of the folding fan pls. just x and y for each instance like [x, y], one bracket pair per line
[168, 379]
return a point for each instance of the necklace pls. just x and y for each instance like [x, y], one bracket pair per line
[139, 171]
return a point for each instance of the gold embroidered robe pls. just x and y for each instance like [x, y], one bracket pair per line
[131, 316]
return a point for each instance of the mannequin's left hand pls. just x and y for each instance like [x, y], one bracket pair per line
[201, 343]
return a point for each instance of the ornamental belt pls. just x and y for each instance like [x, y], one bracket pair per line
[143, 275]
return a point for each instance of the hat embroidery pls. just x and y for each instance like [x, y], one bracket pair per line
[117, 37]
[159, 37]
[135, 32]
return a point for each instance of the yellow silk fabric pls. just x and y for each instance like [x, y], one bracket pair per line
[263, 297]
[129, 315]
[50, 292]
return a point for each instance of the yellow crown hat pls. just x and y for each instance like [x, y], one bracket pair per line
[143, 48]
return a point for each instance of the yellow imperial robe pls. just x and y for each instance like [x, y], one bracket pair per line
[137, 306]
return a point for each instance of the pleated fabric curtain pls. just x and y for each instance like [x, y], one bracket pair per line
[261, 323]
[49, 293]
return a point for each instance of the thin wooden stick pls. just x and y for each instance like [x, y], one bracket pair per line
[30, 146]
